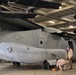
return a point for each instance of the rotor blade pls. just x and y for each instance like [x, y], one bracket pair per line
[39, 3]
[3, 1]
[35, 3]
[8, 14]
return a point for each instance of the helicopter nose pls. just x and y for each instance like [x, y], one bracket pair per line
[3, 57]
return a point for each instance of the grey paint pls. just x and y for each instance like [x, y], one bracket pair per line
[34, 37]
[28, 54]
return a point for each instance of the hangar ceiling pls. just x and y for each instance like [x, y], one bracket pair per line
[62, 18]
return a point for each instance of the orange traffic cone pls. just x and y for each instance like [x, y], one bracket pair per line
[53, 69]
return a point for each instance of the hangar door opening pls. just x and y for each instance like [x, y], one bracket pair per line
[71, 44]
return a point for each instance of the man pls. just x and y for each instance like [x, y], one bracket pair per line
[70, 56]
[61, 64]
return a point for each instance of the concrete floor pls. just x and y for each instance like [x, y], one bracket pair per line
[9, 69]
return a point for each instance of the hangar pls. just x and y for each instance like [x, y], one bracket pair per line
[62, 18]
[43, 14]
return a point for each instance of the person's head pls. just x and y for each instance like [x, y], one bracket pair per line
[68, 47]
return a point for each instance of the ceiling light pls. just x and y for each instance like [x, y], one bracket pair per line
[60, 7]
[71, 26]
[51, 22]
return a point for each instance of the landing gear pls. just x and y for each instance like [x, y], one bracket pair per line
[16, 63]
[46, 65]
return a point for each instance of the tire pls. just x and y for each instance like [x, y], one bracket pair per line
[46, 65]
[16, 63]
